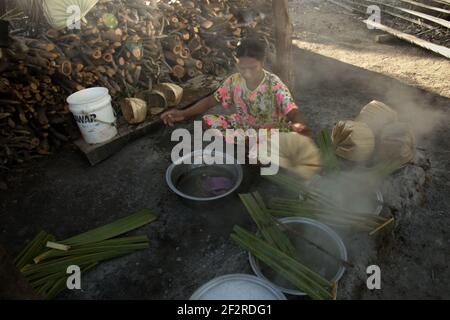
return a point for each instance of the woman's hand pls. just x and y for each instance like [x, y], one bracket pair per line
[298, 123]
[172, 116]
[302, 129]
[298, 127]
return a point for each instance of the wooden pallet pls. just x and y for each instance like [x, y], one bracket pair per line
[96, 153]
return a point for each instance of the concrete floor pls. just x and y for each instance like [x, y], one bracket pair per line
[189, 246]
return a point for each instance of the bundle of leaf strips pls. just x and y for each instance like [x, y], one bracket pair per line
[330, 162]
[46, 269]
[263, 219]
[276, 250]
[317, 206]
[303, 278]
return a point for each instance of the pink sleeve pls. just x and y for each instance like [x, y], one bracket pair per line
[224, 93]
[284, 98]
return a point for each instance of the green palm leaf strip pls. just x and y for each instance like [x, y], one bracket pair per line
[108, 231]
[263, 219]
[289, 268]
[46, 269]
[326, 148]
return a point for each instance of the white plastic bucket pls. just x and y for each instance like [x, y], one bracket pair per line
[94, 114]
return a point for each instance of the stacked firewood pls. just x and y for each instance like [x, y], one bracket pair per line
[125, 46]
[33, 114]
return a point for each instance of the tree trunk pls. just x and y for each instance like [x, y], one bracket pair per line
[283, 42]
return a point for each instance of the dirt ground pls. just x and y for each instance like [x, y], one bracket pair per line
[329, 30]
[190, 245]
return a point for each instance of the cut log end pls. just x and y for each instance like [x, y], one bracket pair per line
[178, 71]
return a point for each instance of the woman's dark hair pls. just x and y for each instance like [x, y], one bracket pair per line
[251, 48]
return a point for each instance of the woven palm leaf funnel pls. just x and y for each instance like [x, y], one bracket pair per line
[353, 140]
[296, 154]
[172, 92]
[134, 110]
[376, 115]
[396, 144]
[156, 100]
[61, 13]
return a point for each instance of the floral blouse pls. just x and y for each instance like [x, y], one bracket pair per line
[264, 107]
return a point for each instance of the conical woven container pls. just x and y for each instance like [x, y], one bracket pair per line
[353, 140]
[376, 115]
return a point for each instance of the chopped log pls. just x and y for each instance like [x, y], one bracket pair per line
[107, 57]
[111, 72]
[174, 59]
[195, 44]
[178, 49]
[137, 52]
[93, 31]
[37, 61]
[128, 77]
[65, 67]
[185, 53]
[192, 72]
[43, 54]
[42, 117]
[207, 24]
[153, 43]
[100, 69]
[137, 74]
[185, 35]
[193, 63]
[113, 35]
[178, 71]
[171, 42]
[95, 53]
[37, 44]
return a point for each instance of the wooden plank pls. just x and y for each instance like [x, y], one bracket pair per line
[425, 16]
[422, 15]
[446, 2]
[96, 153]
[422, 5]
[415, 21]
[418, 22]
[412, 39]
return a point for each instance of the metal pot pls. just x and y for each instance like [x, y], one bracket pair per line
[178, 170]
[377, 195]
[327, 232]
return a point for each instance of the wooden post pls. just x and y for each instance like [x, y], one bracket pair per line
[3, 7]
[283, 42]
